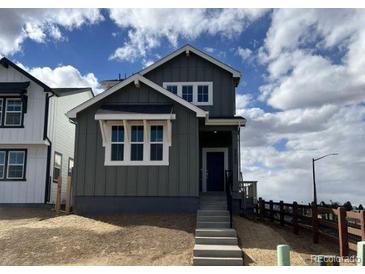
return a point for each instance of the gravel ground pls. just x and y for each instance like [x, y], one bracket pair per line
[40, 237]
[259, 240]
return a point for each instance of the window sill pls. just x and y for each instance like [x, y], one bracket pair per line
[136, 163]
[13, 180]
[12, 126]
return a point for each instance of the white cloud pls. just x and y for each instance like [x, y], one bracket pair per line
[299, 50]
[147, 27]
[244, 53]
[287, 174]
[209, 49]
[17, 25]
[63, 77]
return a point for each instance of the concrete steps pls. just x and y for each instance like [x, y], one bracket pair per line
[217, 261]
[217, 251]
[215, 242]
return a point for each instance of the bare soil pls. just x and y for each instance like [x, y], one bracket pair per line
[40, 237]
[259, 240]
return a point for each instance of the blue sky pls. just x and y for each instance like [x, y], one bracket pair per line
[303, 90]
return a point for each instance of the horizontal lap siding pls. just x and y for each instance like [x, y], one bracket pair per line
[193, 68]
[180, 178]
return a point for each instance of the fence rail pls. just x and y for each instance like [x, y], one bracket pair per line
[343, 227]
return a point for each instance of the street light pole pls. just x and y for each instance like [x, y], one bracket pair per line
[314, 176]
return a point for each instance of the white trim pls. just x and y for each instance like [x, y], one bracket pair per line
[225, 122]
[138, 116]
[188, 49]
[107, 125]
[73, 112]
[204, 168]
[195, 91]
[12, 111]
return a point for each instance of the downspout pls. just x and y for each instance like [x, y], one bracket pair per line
[49, 150]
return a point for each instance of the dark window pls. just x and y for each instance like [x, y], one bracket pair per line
[13, 112]
[2, 164]
[137, 133]
[156, 140]
[187, 93]
[172, 88]
[70, 166]
[203, 93]
[57, 166]
[16, 164]
[117, 143]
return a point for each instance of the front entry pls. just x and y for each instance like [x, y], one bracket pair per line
[215, 171]
[215, 162]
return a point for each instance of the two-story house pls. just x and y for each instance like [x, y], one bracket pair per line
[36, 137]
[156, 140]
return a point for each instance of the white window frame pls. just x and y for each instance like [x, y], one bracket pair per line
[117, 143]
[195, 91]
[8, 165]
[2, 166]
[1, 110]
[20, 112]
[106, 128]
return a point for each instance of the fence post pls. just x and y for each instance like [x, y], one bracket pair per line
[342, 232]
[315, 223]
[362, 223]
[295, 217]
[271, 211]
[68, 194]
[283, 255]
[281, 213]
[361, 253]
[59, 193]
[262, 209]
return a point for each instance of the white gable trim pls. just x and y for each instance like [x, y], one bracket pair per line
[136, 79]
[188, 49]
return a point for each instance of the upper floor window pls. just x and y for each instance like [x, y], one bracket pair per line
[11, 112]
[172, 88]
[70, 166]
[12, 164]
[198, 93]
[187, 93]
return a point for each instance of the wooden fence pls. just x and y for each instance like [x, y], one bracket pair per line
[338, 225]
[68, 197]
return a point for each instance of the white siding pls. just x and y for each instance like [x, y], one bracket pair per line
[62, 134]
[32, 133]
[32, 190]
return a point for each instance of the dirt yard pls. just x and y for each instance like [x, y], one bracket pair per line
[258, 242]
[40, 237]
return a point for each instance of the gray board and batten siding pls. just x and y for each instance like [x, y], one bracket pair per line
[193, 68]
[94, 182]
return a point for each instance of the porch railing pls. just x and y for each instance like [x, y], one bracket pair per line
[229, 183]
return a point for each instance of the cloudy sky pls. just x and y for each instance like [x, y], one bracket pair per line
[303, 90]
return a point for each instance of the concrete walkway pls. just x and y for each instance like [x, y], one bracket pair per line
[215, 242]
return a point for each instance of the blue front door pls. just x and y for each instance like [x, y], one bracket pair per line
[215, 171]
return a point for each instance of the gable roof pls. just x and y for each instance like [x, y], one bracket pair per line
[135, 78]
[188, 48]
[6, 63]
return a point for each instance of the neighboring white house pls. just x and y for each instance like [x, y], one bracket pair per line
[36, 137]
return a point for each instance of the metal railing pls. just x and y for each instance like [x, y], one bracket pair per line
[229, 183]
